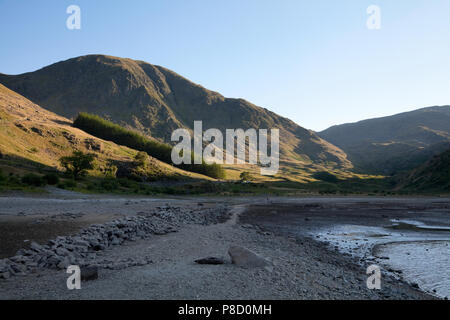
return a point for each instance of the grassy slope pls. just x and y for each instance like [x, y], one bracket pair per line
[434, 175]
[399, 142]
[155, 101]
[31, 136]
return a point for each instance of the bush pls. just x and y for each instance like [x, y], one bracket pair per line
[109, 184]
[51, 179]
[69, 184]
[14, 180]
[245, 176]
[326, 176]
[32, 179]
[141, 159]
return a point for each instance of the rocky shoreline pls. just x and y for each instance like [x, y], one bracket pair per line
[82, 249]
[152, 254]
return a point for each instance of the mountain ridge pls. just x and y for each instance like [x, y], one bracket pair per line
[393, 143]
[155, 101]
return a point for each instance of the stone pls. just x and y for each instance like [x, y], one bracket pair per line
[36, 247]
[115, 241]
[89, 273]
[210, 260]
[245, 258]
[63, 264]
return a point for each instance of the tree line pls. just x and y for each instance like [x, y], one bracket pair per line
[107, 130]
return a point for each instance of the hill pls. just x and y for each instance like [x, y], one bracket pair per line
[434, 175]
[155, 101]
[32, 137]
[394, 143]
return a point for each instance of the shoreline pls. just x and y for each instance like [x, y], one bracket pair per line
[302, 268]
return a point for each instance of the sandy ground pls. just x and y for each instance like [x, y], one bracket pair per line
[302, 268]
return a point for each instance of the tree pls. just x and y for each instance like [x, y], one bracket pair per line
[78, 163]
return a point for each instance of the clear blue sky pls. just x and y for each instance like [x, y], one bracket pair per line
[312, 61]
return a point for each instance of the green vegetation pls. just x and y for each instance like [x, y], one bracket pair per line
[107, 130]
[246, 176]
[432, 176]
[51, 178]
[32, 179]
[326, 176]
[78, 163]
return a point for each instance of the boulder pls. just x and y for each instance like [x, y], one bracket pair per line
[245, 258]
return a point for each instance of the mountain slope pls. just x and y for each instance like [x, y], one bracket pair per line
[433, 175]
[31, 136]
[394, 143]
[156, 101]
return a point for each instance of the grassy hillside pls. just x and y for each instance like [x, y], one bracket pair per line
[33, 139]
[434, 175]
[155, 101]
[395, 143]
[110, 131]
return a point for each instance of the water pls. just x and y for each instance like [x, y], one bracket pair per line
[421, 250]
[424, 263]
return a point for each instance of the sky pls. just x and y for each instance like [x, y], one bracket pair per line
[315, 62]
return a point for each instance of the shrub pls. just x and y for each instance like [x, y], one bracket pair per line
[68, 184]
[141, 158]
[326, 176]
[2, 177]
[32, 179]
[51, 179]
[109, 184]
[245, 176]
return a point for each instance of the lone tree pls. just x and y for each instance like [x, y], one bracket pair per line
[78, 163]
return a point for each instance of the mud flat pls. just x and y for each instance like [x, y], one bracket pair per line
[300, 266]
[409, 238]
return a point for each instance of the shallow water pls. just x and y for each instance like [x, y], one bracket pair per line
[424, 263]
[420, 250]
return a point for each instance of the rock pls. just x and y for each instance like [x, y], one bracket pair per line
[36, 247]
[89, 273]
[115, 241]
[98, 247]
[5, 275]
[63, 264]
[38, 131]
[93, 145]
[210, 260]
[18, 268]
[245, 258]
